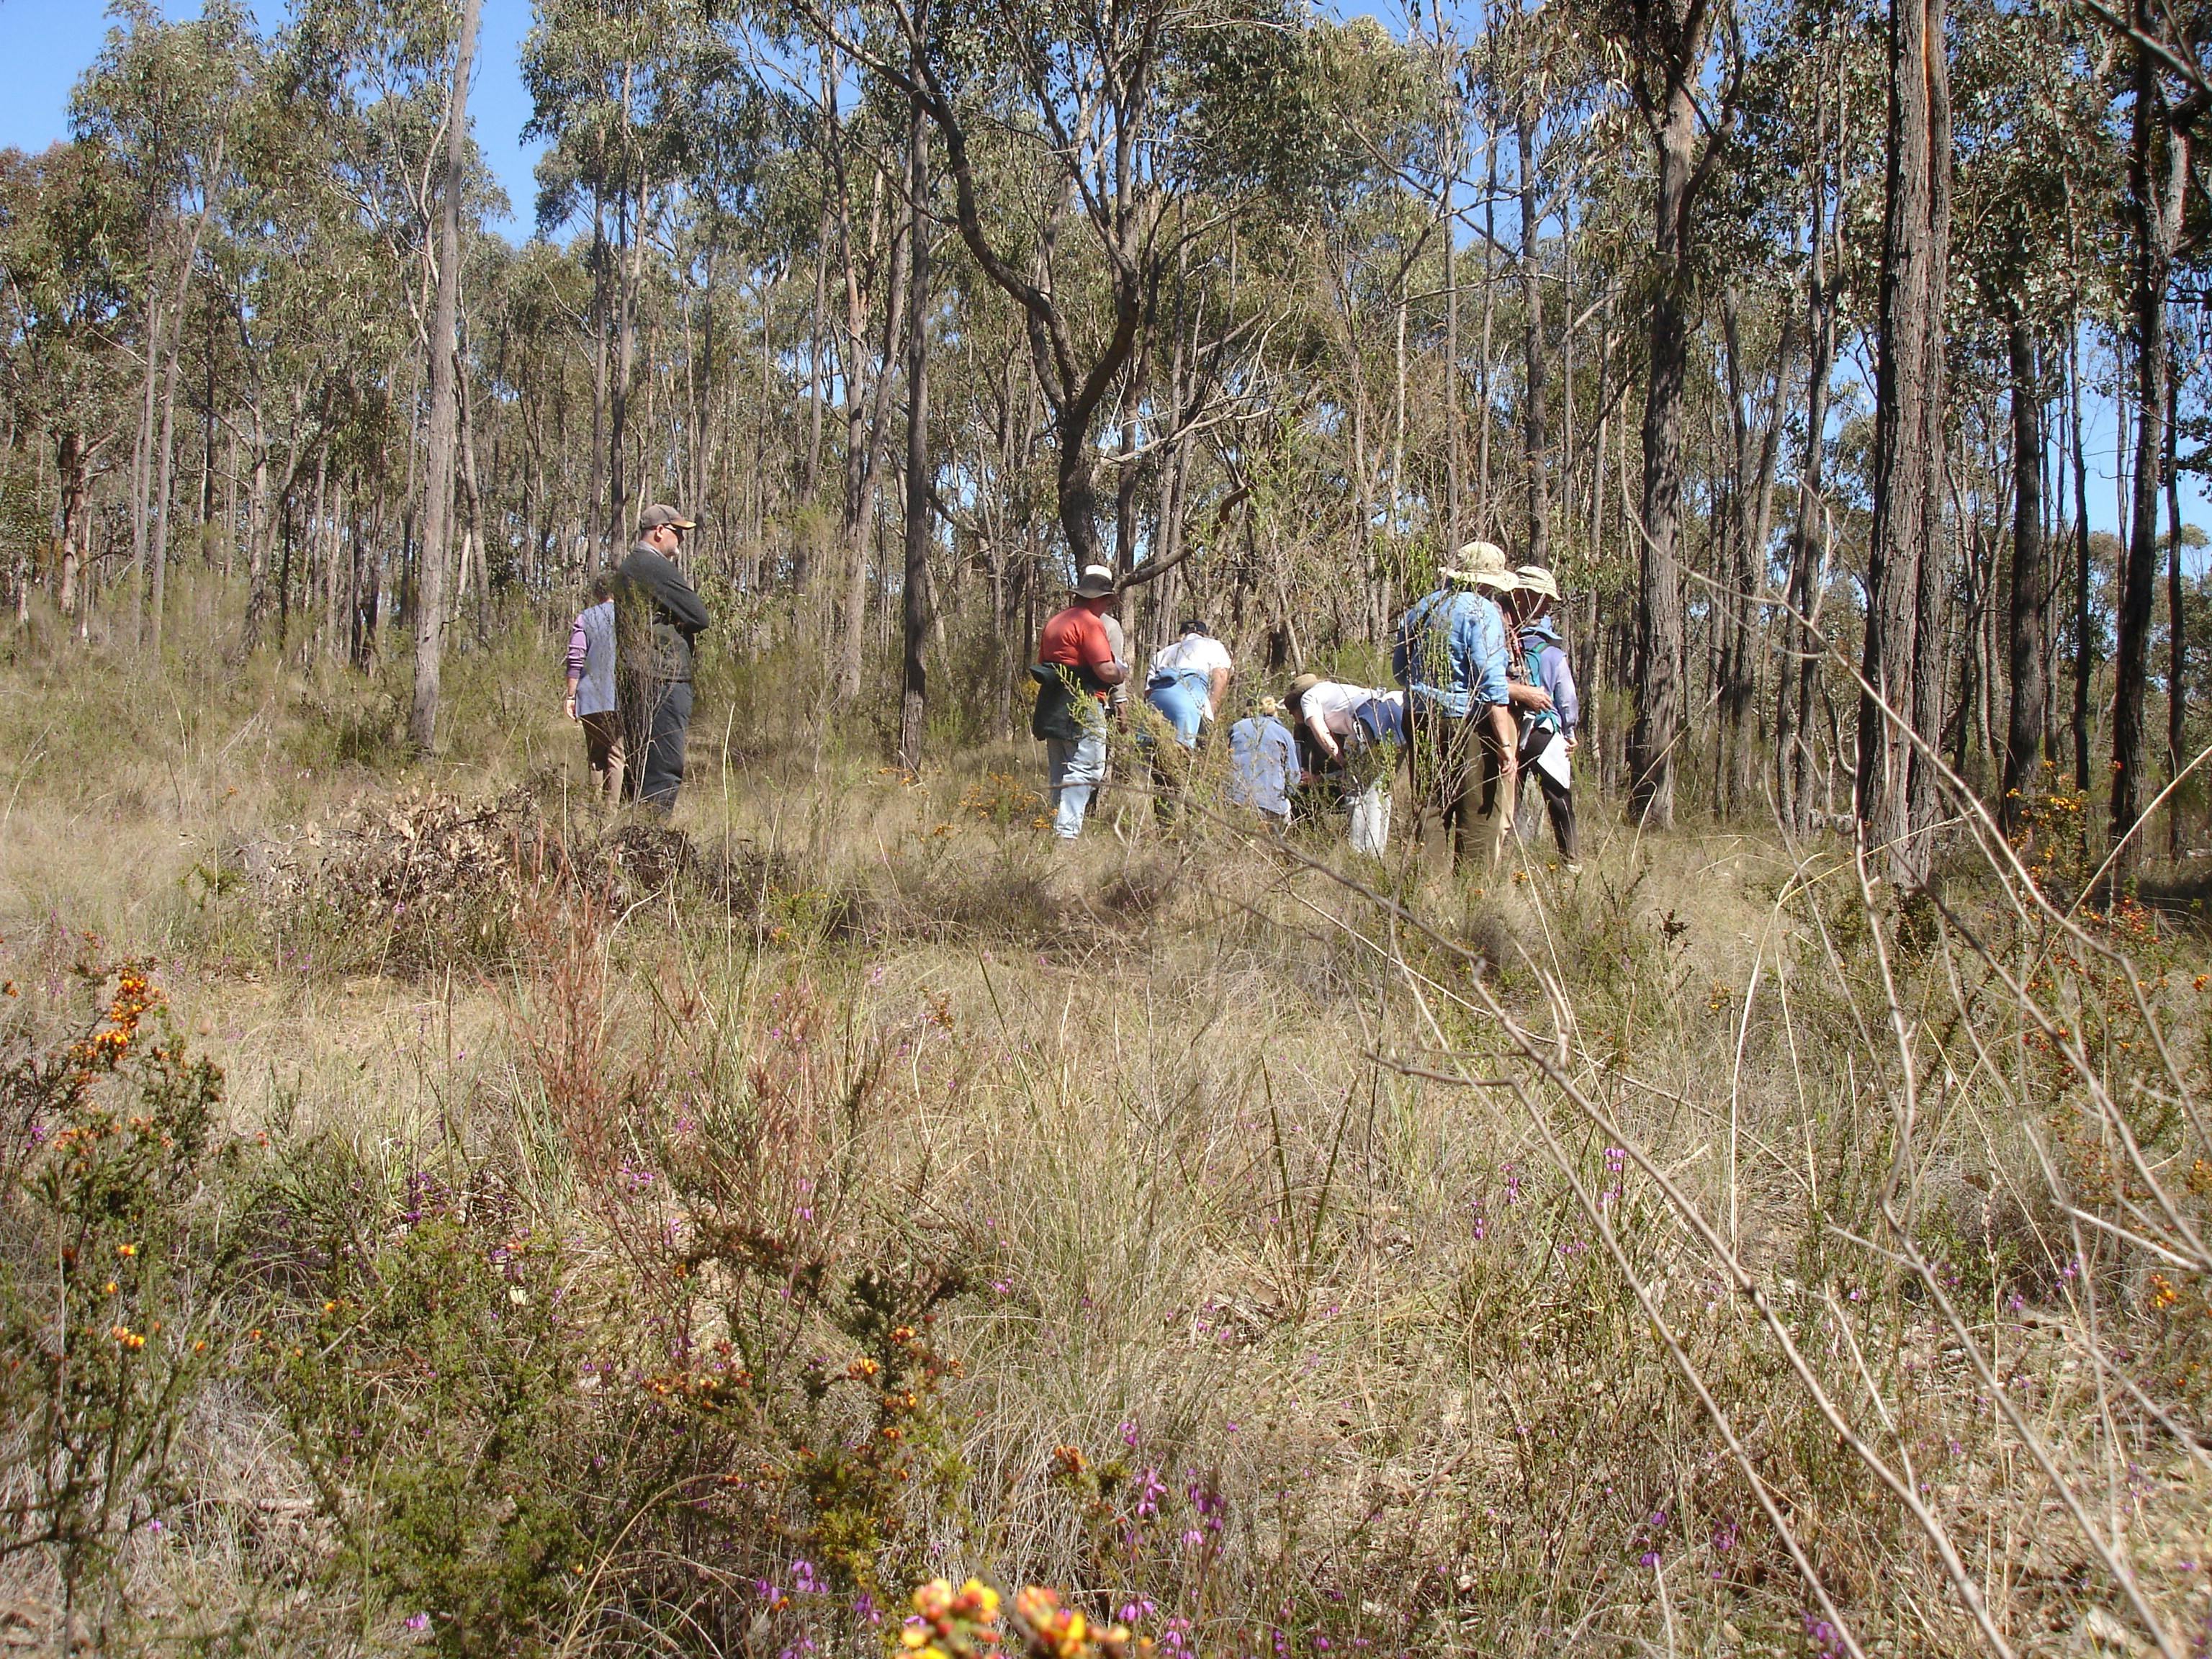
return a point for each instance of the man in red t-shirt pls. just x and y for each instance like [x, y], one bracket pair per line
[1076, 668]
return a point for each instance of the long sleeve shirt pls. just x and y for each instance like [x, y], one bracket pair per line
[591, 659]
[660, 614]
[1451, 652]
[1548, 667]
[1263, 765]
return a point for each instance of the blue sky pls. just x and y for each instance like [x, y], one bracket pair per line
[48, 43]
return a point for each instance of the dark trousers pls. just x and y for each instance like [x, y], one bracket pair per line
[656, 723]
[1559, 797]
[1444, 748]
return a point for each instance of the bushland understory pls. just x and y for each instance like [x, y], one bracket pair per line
[434, 1215]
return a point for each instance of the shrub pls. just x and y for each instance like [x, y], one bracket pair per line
[713, 1374]
[112, 1268]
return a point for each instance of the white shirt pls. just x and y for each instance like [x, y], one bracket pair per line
[1330, 698]
[1199, 653]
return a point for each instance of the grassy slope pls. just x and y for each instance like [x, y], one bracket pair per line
[1337, 1354]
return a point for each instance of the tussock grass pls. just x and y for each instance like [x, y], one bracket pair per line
[1704, 1255]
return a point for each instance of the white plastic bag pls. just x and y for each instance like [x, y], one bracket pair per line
[1371, 820]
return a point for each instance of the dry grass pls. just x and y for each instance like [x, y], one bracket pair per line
[1699, 1256]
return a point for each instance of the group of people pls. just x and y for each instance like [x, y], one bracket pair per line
[630, 656]
[1485, 698]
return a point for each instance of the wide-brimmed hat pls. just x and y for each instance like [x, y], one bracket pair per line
[1474, 561]
[1096, 582]
[1494, 581]
[1303, 683]
[661, 516]
[1535, 579]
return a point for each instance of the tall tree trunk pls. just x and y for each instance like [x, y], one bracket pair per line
[445, 404]
[257, 541]
[602, 321]
[1753, 495]
[864, 440]
[1903, 661]
[1659, 660]
[2177, 647]
[810, 462]
[1455, 491]
[619, 482]
[73, 463]
[2084, 651]
[2030, 580]
[2158, 161]
[913, 679]
[1534, 371]
[162, 505]
[142, 456]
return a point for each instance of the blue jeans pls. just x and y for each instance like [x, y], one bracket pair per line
[1074, 770]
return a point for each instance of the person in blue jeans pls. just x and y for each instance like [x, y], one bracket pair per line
[1189, 679]
[1075, 668]
[1185, 683]
[658, 620]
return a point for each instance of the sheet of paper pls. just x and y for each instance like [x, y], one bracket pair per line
[1553, 762]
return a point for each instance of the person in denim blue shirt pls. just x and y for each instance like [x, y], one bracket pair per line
[1263, 765]
[1453, 656]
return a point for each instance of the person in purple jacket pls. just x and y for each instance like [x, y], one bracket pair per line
[1546, 662]
[591, 700]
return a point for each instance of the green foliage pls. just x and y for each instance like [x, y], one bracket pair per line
[113, 1258]
[432, 1392]
[517, 1444]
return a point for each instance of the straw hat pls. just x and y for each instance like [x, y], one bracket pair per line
[1535, 579]
[1475, 561]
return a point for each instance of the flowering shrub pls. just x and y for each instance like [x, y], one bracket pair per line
[963, 1623]
[109, 1273]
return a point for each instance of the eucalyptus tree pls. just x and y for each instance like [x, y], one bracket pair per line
[1107, 132]
[1901, 664]
[1762, 252]
[444, 394]
[2030, 139]
[2167, 96]
[1683, 63]
[609, 84]
[1542, 78]
[68, 246]
[162, 99]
